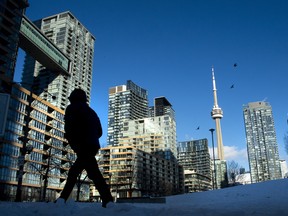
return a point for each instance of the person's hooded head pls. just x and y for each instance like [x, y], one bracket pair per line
[78, 95]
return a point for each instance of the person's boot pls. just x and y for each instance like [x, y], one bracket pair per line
[106, 201]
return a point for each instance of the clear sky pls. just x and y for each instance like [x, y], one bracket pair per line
[169, 46]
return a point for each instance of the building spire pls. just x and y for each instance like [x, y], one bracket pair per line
[214, 89]
[217, 114]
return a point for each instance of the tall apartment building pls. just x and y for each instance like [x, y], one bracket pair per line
[195, 158]
[77, 43]
[11, 12]
[126, 102]
[33, 136]
[261, 140]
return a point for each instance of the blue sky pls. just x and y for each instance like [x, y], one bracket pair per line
[168, 47]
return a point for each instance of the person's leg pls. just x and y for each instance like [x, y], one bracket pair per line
[95, 175]
[73, 173]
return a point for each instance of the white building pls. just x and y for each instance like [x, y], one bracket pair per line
[284, 169]
[244, 178]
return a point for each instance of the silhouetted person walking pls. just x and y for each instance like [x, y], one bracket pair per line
[83, 130]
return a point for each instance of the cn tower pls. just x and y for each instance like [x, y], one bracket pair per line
[217, 114]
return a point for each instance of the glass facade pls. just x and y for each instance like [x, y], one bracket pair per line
[132, 124]
[46, 136]
[11, 14]
[28, 30]
[129, 112]
[50, 156]
[261, 140]
[194, 157]
[126, 102]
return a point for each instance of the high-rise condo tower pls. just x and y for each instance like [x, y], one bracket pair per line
[77, 43]
[262, 146]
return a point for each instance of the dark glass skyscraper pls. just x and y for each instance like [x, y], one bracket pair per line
[11, 15]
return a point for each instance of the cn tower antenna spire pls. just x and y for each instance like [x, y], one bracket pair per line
[217, 114]
[214, 89]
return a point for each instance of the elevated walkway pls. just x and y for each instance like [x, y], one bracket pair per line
[34, 42]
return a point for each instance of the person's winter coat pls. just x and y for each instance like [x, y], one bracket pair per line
[82, 128]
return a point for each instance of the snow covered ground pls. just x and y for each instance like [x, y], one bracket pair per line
[265, 199]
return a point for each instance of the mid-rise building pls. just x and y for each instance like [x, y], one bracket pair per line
[194, 157]
[261, 141]
[49, 157]
[136, 173]
[77, 43]
[155, 135]
[143, 134]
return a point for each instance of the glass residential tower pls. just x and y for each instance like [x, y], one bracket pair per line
[261, 141]
[77, 43]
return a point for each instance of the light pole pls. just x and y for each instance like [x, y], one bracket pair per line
[214, 173]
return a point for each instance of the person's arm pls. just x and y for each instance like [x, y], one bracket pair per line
[70, 128]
